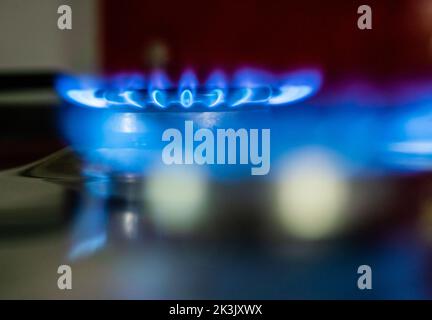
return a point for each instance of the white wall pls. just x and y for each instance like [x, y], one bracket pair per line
[29, 37]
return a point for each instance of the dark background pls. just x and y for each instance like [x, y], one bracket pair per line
[269, 33]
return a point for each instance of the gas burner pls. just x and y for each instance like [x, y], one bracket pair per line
[136, 93]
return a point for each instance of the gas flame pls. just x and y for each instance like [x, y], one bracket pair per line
[156, 92]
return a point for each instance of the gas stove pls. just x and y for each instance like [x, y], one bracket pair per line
[347, 164]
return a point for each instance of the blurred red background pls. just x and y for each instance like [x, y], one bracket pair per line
[275, 34]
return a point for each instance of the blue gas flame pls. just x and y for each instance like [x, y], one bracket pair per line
[133, 92]
[373, 128]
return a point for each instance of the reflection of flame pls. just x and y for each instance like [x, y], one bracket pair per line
[246, 87]
[89, 232]
[130, 224]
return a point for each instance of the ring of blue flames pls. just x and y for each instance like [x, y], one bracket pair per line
[134, 92]
[373, 129]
